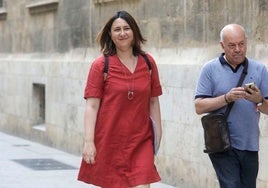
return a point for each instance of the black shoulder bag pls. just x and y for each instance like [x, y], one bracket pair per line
[216, 132]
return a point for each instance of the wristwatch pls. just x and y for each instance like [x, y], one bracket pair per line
[260, 103]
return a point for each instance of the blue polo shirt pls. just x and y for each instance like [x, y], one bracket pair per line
[217, 77]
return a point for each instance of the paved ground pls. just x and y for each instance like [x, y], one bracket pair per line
[26, 164]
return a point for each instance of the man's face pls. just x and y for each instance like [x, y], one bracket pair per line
[234, 45]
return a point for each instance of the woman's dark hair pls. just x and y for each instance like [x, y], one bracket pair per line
[104, 37]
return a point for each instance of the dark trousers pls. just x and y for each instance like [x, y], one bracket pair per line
[236, 168]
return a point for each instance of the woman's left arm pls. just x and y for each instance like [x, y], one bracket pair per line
[156, 115]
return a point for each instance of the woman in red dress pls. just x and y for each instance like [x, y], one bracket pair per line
[119, 138]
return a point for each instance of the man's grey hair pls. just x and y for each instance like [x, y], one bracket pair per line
[229, 27]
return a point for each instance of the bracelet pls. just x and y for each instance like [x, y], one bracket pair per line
[225, 98]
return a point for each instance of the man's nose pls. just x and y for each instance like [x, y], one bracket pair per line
[238, 47]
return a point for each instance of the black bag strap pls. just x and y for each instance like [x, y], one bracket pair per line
[105, 70]
[241, 79]
[106, 62]
[147, 61]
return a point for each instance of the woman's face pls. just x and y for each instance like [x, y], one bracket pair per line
[122, 34]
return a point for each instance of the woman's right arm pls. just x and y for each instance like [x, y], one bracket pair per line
[91, 111]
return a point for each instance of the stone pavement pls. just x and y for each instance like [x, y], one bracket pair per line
[27, 164]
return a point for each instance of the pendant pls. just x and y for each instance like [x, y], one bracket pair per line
[130, 95]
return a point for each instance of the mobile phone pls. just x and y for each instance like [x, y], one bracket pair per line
[250, 85]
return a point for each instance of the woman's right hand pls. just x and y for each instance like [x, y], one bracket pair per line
[89, 152]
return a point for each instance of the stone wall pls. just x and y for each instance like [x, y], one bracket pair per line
[46, 51]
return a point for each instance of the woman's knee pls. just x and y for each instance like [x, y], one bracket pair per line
[142, 186]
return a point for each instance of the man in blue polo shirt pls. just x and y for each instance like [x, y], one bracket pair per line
[216, 88]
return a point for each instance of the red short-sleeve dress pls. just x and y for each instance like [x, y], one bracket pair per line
[123, 132]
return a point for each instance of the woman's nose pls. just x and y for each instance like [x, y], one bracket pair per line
[122, 32]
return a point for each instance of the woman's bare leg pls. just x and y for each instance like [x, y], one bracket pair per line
[142, 186]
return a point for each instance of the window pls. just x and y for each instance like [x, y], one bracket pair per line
[39, 106]
[3, 12]
[43, 6]
[102, 1]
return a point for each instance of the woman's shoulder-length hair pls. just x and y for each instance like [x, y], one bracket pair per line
[104, 37]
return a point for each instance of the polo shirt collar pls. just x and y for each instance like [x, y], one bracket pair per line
[223, 62]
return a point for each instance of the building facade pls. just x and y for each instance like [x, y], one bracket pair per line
[47, 47]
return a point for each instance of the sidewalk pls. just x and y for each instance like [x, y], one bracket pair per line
[26, 164]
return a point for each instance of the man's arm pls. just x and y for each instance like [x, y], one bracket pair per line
[206, 105]
[255, 96]
[263, 107]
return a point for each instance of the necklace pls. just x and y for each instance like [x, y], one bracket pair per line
[130, 86]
